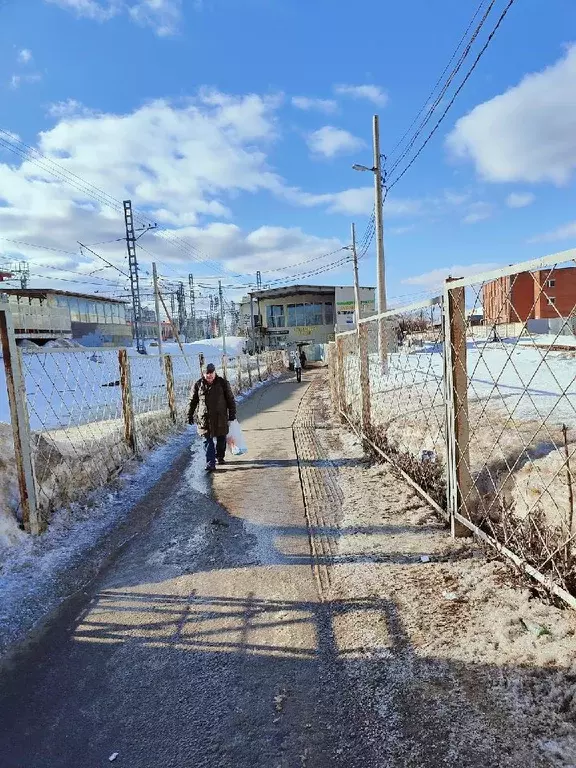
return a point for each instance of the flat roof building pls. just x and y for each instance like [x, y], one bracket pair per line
[302, 314]
[44, 314]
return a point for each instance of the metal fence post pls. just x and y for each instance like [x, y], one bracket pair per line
[332, 372]
[239, 372]
[267, 359]
[340, 380]
[249, 371]
[169, 369]
[460, 481]
[258, 367]
[364, 377]
[127, 407]
[16, 387]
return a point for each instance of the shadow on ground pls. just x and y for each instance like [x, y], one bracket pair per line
[205, 644]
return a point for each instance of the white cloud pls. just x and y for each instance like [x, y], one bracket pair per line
[17, 80]
[435, 279]
[24, 56]
[359, 201]
[479, 211]
[183, 165]
[520, 199]
[163, 16]
[372, 93]
[565, 232]
[329, 142]
[308, 105]
[526, 134]
[96, 10]
[402, 230]
[69, 108]
[270, 249]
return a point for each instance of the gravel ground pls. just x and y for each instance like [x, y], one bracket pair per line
[467, 669]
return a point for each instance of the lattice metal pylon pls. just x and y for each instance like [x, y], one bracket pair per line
[134, 281]
[181, 300]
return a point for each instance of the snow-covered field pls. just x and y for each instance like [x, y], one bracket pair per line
[74, 387]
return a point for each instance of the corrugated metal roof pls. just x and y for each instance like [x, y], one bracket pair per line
[35, 293]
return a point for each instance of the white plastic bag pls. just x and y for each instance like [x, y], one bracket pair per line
[235, 439]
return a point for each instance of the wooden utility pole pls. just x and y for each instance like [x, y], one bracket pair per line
[157, 307]
[380, 266]
[222, 324]
[362, 341]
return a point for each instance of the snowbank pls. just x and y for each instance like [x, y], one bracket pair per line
[212, 349]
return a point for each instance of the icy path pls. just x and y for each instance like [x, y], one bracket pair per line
[205, 642]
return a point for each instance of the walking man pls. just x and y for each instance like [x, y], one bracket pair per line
[297, 365]
[214, 405]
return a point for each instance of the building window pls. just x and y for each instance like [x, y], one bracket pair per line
[313, 314]
[551, 299]
[551, 283]
[291, 315]
[275, 315]
[74, 312]
[328, 313]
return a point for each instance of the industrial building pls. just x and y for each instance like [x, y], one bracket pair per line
[299, 315]
[44, 314]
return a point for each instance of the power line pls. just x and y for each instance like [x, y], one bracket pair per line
[455, 96]
[36, 157]
[432, 107]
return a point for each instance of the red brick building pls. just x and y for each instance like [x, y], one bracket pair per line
[545, 294]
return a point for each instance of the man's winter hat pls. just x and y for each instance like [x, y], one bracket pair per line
[210, 368]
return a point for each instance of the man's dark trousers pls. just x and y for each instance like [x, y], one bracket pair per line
[214, 452]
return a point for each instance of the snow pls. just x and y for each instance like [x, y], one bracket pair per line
[212, 349]
[33, 574]
[525, 381]
[37, 573]
[519, 397]
[446, 641]
[74, 400]
[80, 386]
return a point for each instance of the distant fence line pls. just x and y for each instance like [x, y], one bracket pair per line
[79, 416]
[482, 423]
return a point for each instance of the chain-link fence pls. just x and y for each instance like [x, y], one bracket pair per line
[79, 415]
[472, 395]
[515, 424]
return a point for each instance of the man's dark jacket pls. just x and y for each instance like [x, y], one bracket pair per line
[216, 407]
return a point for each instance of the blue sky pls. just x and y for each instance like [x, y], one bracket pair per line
[236, 123]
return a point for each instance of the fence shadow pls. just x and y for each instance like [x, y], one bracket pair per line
[180, 678]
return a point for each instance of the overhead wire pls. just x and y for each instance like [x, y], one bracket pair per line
[33, 155]
[432, 107]
[440, 79]
[455, 95]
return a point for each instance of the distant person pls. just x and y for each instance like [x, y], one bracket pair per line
[302, 357]
[214, 405]
[297, 365]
